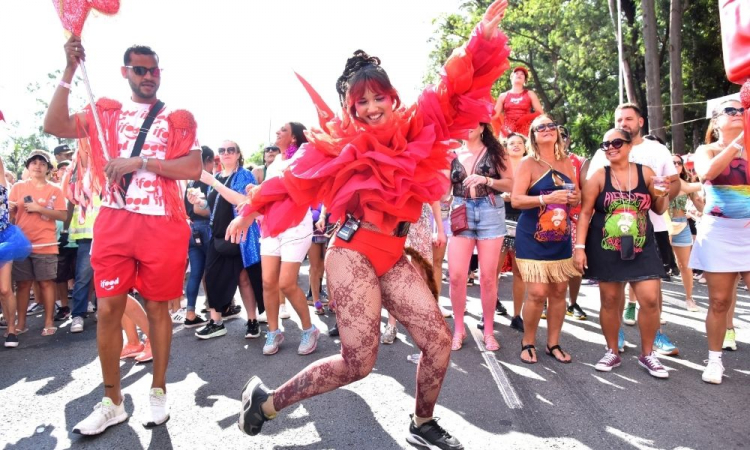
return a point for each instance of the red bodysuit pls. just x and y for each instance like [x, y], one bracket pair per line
[518, 115]
[384, 175]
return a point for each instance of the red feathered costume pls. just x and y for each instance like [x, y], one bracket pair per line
[383, 176]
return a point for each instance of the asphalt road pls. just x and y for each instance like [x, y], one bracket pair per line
[489, 400]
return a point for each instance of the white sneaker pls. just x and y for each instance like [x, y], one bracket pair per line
[77, 325]
[283, 314]
[389, 334]
[90, 308]
[159, 410]
[178, 317]
[262, 318]
[714, 372]
[445, 312]
[104, 416]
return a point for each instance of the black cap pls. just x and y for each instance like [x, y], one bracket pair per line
[60, 149]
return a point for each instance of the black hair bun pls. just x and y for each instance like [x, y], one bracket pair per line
[357, 61]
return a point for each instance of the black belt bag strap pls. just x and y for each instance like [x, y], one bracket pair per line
[138, 146]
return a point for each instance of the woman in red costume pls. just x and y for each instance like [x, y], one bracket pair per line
[373, 168]
[516, 108]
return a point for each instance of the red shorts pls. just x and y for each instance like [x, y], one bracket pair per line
[383, 251]
[139, 251]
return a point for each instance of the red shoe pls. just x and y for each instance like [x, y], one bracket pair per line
[145, 355]
[131, 350]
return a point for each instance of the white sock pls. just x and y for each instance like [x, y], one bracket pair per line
[714, 356]
[219, 322]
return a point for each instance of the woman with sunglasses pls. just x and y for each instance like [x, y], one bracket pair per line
[615, 245]
[269, 155]
[680, 236]
[723, 241]
[228, 265]
[374, 167]
[545, 188]
[479, 174]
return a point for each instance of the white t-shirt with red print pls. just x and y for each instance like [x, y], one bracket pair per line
[143, 197]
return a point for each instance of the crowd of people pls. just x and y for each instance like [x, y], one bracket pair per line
[377, 199]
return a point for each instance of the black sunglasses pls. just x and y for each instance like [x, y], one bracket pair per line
[732, 111]
[545, 126]
[269, 150]
[228, 150]
[615, 143]
[677, 162]
[141, 70]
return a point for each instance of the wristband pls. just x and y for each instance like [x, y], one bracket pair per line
[145, 161]
[64, 84]
[215, 183]
[580, 246]
[541, 200]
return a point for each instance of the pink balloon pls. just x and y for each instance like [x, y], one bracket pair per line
[73, 13]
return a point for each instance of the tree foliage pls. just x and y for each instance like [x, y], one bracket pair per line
[570, 49]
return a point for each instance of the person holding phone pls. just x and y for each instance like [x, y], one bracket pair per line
[615, 244]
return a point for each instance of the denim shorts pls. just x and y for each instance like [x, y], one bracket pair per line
[684, 238]
[485, 220]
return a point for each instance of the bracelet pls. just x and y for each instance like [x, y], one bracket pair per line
[64, 84]
[580, 246]
[215, 183]
[145, 161]
[541, 200]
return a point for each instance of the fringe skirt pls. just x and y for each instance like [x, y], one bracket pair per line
[536, 271]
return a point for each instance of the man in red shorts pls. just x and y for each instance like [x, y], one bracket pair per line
[140, 241]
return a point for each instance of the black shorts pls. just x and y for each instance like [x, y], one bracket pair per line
[66, 264]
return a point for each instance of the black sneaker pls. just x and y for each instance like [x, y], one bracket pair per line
[500, 309]
[62, 313]
[251, 417]
[197, 322]
[431, 435]
[253, 329]
[231, 312]
[576, 311]
[11, 341]
[211, 331]
[517, 323]
[480, 324]
[334, 330]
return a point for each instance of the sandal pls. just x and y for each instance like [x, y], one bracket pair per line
[528, 348]
[49, 331]
[551, 352]
[490, 343]
[458, 341]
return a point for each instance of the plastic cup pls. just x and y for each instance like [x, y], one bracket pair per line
[660, 184]
[569, 186]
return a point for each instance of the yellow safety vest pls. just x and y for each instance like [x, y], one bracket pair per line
[85, 230]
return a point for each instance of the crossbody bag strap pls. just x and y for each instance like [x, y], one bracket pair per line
[141, 139]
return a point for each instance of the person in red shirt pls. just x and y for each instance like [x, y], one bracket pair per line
[37, 204]
[516, 108]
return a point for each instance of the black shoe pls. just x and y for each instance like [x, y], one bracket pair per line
[252, 329]
[667, 278]
[480, 324]
[197, 322]
[11, 341]
[63, 313]
[517, 323]
[500, 309]
[433, 436]
[211, 331]
[251, 417]
[334, 330]
[231, 312]
[576, 311]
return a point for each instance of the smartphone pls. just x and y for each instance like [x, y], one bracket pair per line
[627, 248]
[197, 238]
[28, 199]
[347, 230]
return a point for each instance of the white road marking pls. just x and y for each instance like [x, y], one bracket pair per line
[498, 374]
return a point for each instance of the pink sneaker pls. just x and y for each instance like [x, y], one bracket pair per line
[131, 350]
[145, 355]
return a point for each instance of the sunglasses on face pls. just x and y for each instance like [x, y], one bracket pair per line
[142, 70]
[732, 111]
[545, 126]
[615, 143]
[271, 150]
[677, 163]
[228, 150]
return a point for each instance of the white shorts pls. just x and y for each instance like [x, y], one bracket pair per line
[291, 245]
